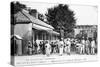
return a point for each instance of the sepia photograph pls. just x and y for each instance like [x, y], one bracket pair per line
[50, 33]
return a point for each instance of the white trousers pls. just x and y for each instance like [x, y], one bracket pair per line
[82, 49]
[61, 50]
[48, 51]
[92, 50]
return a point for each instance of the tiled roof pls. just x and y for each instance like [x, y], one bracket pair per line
[20, 17]
[35, 20]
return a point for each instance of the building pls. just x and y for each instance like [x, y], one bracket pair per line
[30, 28]
[89, 30]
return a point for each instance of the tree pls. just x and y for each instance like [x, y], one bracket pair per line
[79, 36]
[61, 18]
[41, 17]
[15, 7]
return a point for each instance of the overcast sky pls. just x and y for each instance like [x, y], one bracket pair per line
[85, 15]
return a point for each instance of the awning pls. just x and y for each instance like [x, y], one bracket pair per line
[16, 36]
[38, 27]
[36, 21]
[53, 32]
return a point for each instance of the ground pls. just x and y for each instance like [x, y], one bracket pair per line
[54, 58]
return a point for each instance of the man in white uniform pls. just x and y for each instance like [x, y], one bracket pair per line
[93, 46]
[48, 48]
[38, 47]
[87, 46]
[83, 46]
[61, 46]
[68, 46]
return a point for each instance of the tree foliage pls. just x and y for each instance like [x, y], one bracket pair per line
[15, 7]
[61, 17]
[41, 17]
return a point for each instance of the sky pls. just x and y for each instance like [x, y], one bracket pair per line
[85, 14]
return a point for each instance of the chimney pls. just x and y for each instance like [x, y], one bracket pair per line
[34, 13]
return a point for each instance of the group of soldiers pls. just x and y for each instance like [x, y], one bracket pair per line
[86, 46]
[63, 46]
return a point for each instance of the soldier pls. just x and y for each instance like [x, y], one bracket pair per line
[68, 46]
[48, 48]
[83, 46]
[93, 46]
[61, 46]
[87, 46]
[38, 47]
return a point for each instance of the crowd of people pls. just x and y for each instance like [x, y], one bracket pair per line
[64, 46]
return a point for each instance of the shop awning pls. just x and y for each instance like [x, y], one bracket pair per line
[36, 21]
[38, 27]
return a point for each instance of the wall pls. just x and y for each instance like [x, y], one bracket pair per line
[25, 31]
[22, 29]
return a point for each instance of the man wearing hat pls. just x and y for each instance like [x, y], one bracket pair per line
[93, 46]
[61, 46]
[83, 45]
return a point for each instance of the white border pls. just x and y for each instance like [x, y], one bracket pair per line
[5, 31]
